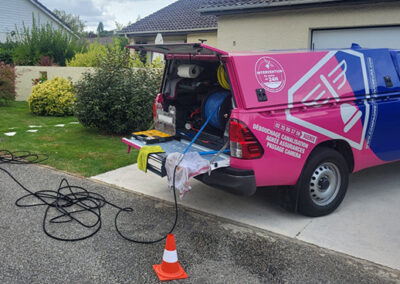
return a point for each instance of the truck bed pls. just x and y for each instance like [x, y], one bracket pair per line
[156, 161]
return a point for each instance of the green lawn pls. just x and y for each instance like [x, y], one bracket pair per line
[71, 148]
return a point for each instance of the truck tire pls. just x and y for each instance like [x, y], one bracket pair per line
[323, 183]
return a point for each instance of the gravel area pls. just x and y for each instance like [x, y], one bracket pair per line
[211, 250]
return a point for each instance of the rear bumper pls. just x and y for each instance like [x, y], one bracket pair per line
[241, 182]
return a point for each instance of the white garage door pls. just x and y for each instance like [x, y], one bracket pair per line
[366, 37]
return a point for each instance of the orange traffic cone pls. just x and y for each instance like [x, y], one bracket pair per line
[170, 269]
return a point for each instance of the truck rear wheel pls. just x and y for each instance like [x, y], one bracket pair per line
[323, 183]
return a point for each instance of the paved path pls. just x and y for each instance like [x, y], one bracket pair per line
[211, 250]
[366, 225]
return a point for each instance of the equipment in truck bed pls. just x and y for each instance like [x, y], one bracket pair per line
[156, 162]
[152, 136]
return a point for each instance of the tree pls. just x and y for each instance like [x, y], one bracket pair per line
[120, 26]
[100, 28]
[74, 22]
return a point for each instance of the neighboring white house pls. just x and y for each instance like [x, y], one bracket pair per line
[15, 13]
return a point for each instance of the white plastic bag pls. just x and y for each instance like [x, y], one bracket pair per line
[192, 165]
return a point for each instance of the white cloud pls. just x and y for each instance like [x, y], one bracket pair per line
[107, 11]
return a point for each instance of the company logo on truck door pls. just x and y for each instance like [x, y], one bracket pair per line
[327, 82]
[270, 74]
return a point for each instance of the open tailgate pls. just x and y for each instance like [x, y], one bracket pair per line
[156, 162]
[179, 48]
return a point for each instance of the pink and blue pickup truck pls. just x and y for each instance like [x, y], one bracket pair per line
[303, 120]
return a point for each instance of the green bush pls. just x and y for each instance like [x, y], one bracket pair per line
[53, 98]
[157, 63]
[90, 57]
[32, 44]
[115, 98]
[7, 83]
[6, 52]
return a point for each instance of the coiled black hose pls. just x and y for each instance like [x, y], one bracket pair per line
[70, 201]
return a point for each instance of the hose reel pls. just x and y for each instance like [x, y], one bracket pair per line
[222, 101]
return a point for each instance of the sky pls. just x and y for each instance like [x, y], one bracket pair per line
[107, 11]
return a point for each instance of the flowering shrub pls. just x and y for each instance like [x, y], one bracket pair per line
[46, 61]
[7, 83]
[40, 80]
[55, 97]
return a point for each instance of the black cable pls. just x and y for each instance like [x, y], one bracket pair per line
[21, 157]
[70, 200]
[173, 227]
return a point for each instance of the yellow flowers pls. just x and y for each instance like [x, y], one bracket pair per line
[55, 97]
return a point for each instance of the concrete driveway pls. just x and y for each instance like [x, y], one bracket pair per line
[211, 251]
[366, 225]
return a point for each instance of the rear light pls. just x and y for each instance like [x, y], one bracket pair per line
[159, 100]
[244, 145]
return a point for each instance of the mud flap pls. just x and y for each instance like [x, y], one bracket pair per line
[289, 198]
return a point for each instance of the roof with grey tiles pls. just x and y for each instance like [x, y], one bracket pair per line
[182, 15]
[239, 6]
[238, 3]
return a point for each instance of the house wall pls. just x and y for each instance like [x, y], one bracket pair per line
[25, 74]
[13, 13]
[292, 29]
[151, 39]
[210, 37]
